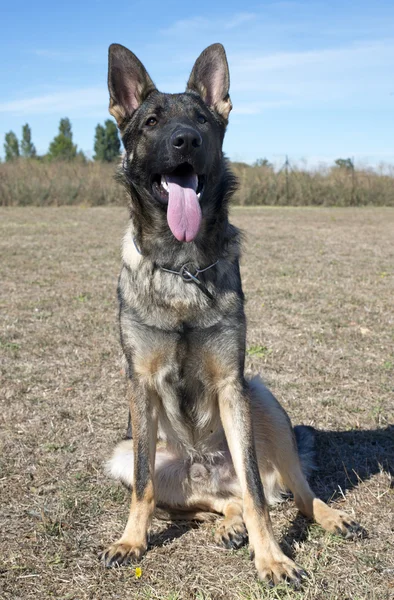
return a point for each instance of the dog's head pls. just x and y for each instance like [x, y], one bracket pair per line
[173, 142]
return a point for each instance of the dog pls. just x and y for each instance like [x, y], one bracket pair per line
[205, 439]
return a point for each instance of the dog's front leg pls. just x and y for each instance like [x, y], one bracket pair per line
[133, 543]
[235, 413]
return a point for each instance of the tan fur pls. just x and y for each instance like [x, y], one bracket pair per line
[149, 365]
[118, 112]
[133, 543]
[233, 523]
[130, 255]
[194, 490]
[224, 108]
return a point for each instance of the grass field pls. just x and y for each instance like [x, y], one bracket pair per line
[319, 286]
[31, 182]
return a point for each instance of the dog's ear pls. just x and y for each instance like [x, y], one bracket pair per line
[128, 83]
[210, 78]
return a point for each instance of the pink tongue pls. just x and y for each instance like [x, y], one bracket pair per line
[184, 212]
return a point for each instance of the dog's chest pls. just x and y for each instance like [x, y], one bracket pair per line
[175, 368]
[182, 346]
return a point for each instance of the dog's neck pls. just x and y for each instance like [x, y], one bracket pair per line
[167, 252]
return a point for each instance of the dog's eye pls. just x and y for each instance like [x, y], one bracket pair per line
[201, 119]
[151, 122]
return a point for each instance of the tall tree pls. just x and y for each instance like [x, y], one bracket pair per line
[28, 149]
[99, 143]
[106, 142]
[263, 162]
[65, 128]
[62, 146]
[345, 163]
[11, 146]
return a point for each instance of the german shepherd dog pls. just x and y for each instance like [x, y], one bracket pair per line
[204, 438]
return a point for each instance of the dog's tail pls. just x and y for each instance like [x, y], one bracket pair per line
[120, 467]
[306, 439]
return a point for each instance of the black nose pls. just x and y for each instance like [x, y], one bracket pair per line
[186, 140]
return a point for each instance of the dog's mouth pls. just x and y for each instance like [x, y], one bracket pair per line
[181, 191]
[160, 183]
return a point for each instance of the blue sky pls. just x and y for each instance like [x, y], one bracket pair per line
[314, 80]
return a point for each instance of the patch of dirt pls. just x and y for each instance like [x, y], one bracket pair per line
[319, 285]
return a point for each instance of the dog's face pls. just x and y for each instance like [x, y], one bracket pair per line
[173, 142]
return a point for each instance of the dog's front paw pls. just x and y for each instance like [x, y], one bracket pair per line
[280, 570]
[122, 553]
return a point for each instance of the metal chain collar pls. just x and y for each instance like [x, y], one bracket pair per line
[186, 274]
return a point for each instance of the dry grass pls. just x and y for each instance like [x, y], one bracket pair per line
[319, 287]
[322, 187]
[40, 183]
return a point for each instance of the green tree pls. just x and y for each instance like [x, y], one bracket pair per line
[62, 146]
[65, 128]
[263, 162]
[11, 146]
[106, 142]
[345, 163]
[99, 143]
[28, 149]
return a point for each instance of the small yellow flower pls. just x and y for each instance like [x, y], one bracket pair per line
[138, 572]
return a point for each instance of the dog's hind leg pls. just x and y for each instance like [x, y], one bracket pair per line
[144, 415]
[331, 519]
[277, 450]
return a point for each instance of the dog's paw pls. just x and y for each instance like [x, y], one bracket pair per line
[283, 570]
[350, 529]
[122, 553]
[340, 523]
[231, 533]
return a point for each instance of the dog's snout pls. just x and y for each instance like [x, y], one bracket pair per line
[186, 140]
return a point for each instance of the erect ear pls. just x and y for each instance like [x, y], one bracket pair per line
[128, 83]
[210, 78]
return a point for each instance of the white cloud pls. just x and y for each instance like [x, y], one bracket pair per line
[201, 24]
[70, 101]
[354, 75]
[254, 108]
[55, 54]
[351, 76]
[87, 55]
[239, 19]
[187, 26]
[360, 55]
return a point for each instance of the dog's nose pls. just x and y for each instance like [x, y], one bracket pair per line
[186, 140]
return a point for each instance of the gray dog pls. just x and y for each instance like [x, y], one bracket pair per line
[204, 438]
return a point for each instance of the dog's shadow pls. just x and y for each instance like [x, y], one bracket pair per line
[344, 459]
[175, 530]
[347, 458]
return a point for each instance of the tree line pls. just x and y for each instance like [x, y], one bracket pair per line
[106, 144]
[106, 147]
